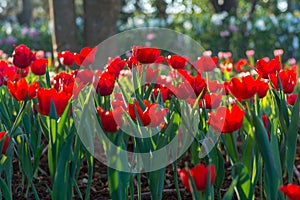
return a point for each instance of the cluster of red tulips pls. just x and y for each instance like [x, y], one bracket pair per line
[236, 97]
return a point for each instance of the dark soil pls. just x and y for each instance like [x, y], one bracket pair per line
[99, 188]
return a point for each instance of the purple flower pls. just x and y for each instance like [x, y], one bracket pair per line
[33, 33]
[11, 40]
[48, 54]
[233, 28]
[25, 31]
[224, 33]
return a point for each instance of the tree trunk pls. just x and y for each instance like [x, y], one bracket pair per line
[25, 16]
[100, 20]
[290, 5]
[229, 6]
[64, 33]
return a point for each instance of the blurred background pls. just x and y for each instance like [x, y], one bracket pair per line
[219, 25]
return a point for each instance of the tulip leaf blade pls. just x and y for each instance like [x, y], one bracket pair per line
[229, 194]
[271, 173]
[5, 190]
[292, 139]
[63, 118]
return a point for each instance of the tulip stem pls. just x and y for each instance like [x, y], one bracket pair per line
[139, 189]
[18, 118]
[201, 195]
[131, 186]
[261, 184]
[176, 180]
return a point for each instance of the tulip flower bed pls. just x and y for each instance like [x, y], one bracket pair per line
[235, 127]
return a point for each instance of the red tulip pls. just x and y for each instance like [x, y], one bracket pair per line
[265, 68]
[73, 89]
[86, 56]
[66, 58]
[131, 61]
[145, 119]
[244, 88]
[22, 56]
[177, 62]
[150, 116]
[3, 75]
[199, 175]
[225, 90]
[206, 63]
[85, 76]
[110, 120]
[165, 93]
[115, 66]
[227, 120]
[38, 67]
[156, 115]
[63, 79]
[262, 88]
[45, 96]
[21, 72]
[6, 142]
[291, 191]
[214, 86]
[21, 91]
[11, 73]
[198, 84]
[241, 64]
[291, 99]
[183, 90]
[106, 84]
[288, 80]
[151, 74]
[145, 55]
[212, 100]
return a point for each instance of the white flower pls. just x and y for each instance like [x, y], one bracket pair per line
[218, 18]
[296, 42]
[260, 25]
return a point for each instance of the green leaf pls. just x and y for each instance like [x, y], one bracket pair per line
[74, 183]
[90, 160]
[220, 170]
[64, 117]
[4, 188]
[48, 77]
[19, 118]
[275, 150]
[53, 113]
[230, 146]
[271, 173]
[194, 191]
[230, 191]
[156, 183]
[244, 186]
[61, 178]
[118, 184]
[291, 137]
[282, 110]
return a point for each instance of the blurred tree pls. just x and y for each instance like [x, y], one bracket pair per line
[25, 16]
[100, 20]
[229, 6]
[62, 19]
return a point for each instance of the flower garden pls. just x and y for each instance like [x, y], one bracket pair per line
[250, 105]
